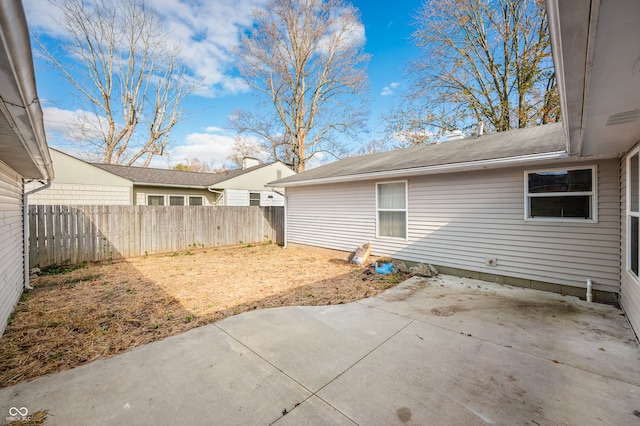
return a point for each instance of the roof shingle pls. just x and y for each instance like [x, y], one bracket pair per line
[528, 141]
[147, 175]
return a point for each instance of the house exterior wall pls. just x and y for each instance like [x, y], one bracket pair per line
[77, 182]
[459, 220]
[236, 197]
[256, 180]
[140, 194]
[270, 198]
[11, 236]
[629, 286]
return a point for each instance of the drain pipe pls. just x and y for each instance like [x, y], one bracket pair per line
[217, 192]
[589, 285]
[25, 228]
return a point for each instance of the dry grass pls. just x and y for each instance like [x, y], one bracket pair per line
[103, 310]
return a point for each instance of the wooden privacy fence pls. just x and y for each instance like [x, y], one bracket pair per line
[76, 234]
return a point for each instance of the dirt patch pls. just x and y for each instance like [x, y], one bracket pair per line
[101, 310]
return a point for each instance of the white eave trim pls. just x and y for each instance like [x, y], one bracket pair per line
[442, 168]
[555, 34]
[169, 185]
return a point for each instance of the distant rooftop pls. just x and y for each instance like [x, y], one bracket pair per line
[165, 177]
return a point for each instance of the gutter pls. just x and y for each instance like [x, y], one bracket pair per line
[25, 228]
[442, 168]
[217, 192]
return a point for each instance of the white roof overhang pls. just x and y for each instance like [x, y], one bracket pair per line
[597, 61]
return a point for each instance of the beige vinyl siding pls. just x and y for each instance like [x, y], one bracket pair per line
[140, 193]
[630, 288]
[11, 241]
[461, 219]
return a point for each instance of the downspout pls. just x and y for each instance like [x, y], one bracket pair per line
[284, 246]
[217, 192]
[25, 228]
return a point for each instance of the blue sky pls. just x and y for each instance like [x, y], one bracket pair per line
[215, 25]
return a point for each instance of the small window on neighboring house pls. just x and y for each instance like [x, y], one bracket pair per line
[155, 200]
[633, 213]
[254, 199]
[195, 201]
[568, 194]
[176, 200]
[391, 206]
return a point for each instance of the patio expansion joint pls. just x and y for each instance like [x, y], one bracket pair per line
[315, 393]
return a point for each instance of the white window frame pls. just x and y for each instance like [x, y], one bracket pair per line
[196, 196]
[629, 214]
[405, 210]
[259, 198]
[176, 196]
[593, 194]
[164, 198]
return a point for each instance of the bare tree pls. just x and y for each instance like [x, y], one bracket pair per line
[482, 61]
[305, 61]
[245, 147]
[194, 165]
[125, 72]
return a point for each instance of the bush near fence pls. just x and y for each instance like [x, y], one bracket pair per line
[76, 234]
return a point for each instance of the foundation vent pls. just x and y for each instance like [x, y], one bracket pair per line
[623, 117]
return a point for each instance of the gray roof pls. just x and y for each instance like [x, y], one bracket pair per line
[166, 177]
[549, 138]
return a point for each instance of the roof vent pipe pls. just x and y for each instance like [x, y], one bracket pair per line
[453, 135]
[481, 129]
[249, 162]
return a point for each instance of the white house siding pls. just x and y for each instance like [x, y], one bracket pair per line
[269, 198]
[69, 194]
[236, 197]
[461, 219]
[11, 235]
[630, 288]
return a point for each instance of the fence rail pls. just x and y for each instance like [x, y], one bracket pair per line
[76, 234]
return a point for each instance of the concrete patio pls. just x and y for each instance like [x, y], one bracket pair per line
[443, 351]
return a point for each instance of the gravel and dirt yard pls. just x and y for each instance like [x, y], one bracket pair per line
[77, 315]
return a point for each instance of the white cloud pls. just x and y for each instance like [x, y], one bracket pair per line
[213, 146]
[72, 125]
[390, 89]
[205, 31]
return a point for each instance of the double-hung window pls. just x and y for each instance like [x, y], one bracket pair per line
[391, 209]
[176, 200]
[155, 200]
[633, 213]
[561, 194]
[254, 199]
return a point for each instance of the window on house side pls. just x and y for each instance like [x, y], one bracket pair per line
[391, 206]
[567, 194]
[633, 213]
[155, 200]
[176, 200]
[254, 199]
[195, 201]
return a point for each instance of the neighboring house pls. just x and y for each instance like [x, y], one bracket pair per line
[78, 182]
[548, 207]
[23, 151]
[241, 187]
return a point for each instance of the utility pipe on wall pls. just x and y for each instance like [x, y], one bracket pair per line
[25, 229]
[589, 285]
